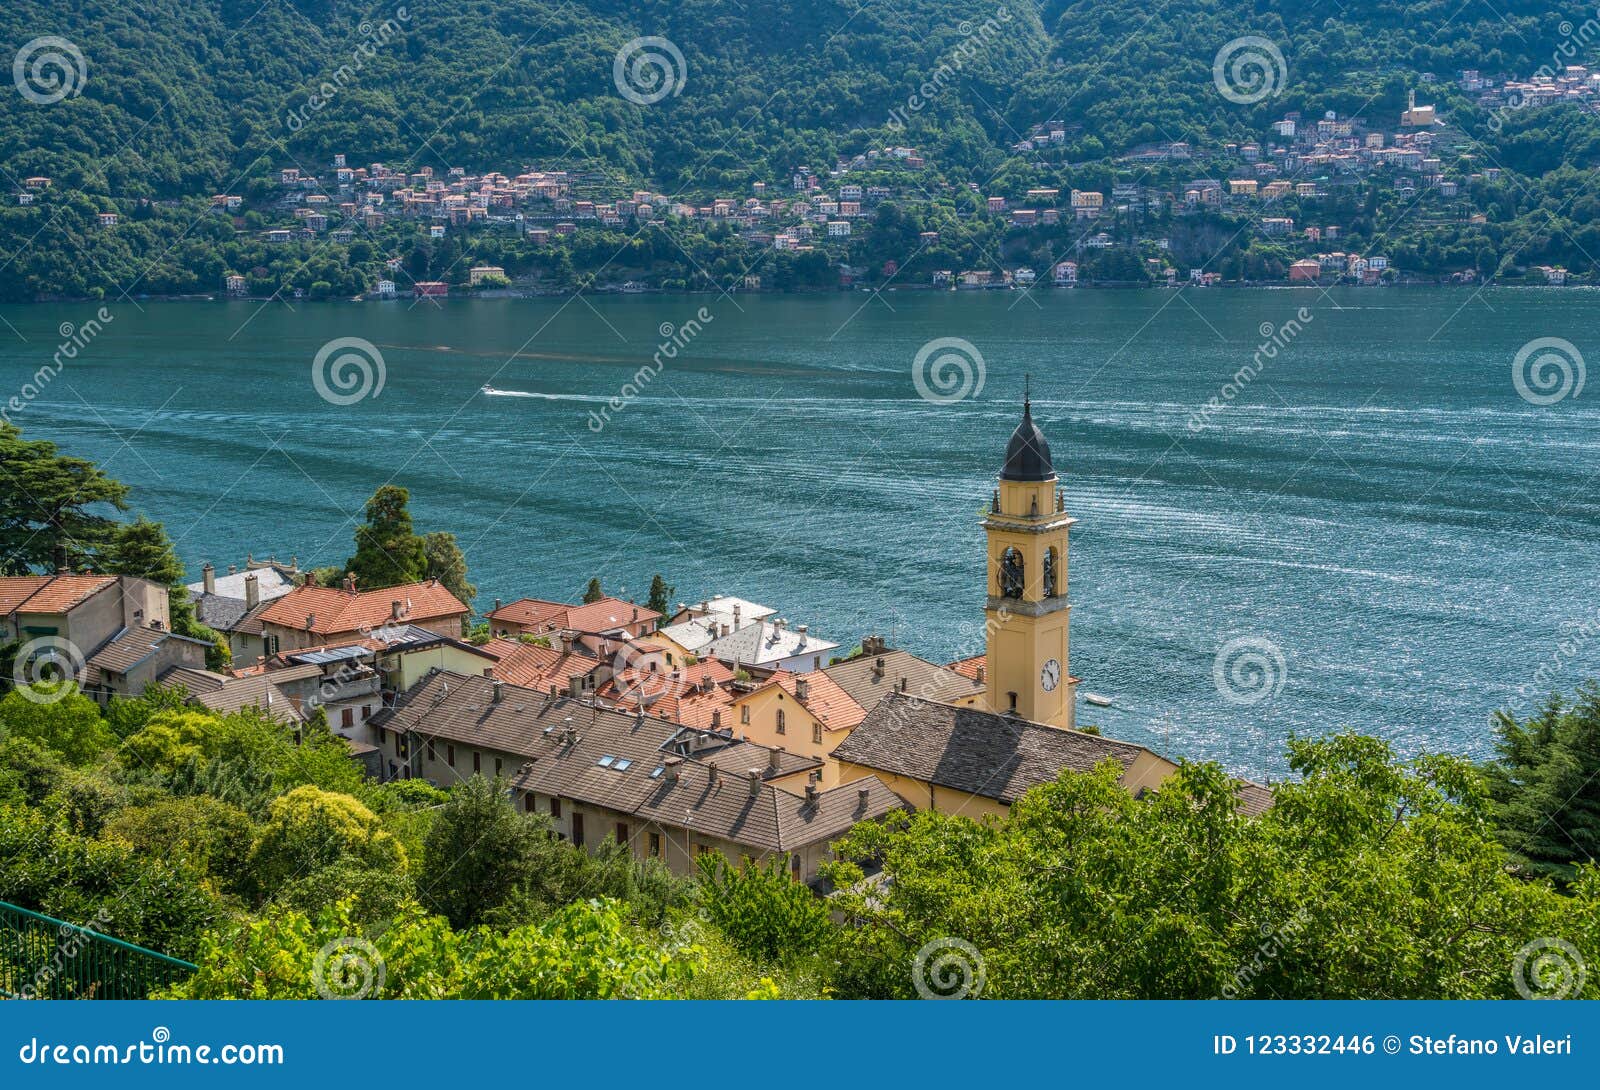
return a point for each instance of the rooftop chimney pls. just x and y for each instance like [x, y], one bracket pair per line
[754, 776]
[775, 758]
[802, 689]
[811, 794]
[716, 718]
[208, 576]
[711, 773]
[395, 608]
[877, 669]
[802, 630]
[671, 765]
[233, 569]
[736, 618]
[497, 605]
[981, 673]
[499, 689]
[862, 795]
[311, 622]
[252, 591]
[902, 684]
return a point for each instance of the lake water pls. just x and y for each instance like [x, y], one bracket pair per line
[1379, 503]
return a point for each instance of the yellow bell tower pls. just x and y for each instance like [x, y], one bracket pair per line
[1027, 613]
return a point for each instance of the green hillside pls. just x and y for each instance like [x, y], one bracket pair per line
[182, 99]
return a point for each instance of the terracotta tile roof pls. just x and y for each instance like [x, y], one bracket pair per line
[867, 684]
[825, 699]
[49, 593]
[968, 668]
[692, 696]
[540, 667]
[337, 610]
[594, 617]
[972, 749]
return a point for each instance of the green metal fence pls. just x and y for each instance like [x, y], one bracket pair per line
[45, 958]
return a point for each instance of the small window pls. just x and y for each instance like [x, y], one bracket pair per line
[366, 712]
[744, 714]
[528, 802]
[622, 832]
[780, 721]
[497, 767]
[477, 761]
[555, 808]
[450, 753]
[655, 845]
[347, 717]
[816, 733]
[431, 756]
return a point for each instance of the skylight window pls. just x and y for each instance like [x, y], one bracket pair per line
[622, 765]
[605, 762]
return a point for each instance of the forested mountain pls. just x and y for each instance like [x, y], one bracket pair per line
[180, 99]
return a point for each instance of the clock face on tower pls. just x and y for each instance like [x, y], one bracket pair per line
[1050, 676]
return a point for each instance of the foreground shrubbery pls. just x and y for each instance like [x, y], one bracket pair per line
[271, 862]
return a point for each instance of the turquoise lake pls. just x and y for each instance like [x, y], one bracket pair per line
[1378, 502]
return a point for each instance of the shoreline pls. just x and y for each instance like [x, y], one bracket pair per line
[503, 294]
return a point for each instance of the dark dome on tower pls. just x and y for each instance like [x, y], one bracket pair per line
[1027, 455]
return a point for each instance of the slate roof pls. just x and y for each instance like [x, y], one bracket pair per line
[972, 749]
[461, 708]
[762, 644]
[271, 582]
[860, 678]
[219, 612]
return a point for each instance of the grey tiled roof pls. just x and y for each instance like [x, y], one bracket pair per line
[253, 691]
[972, 749]
[525, 722]
[928, 680]
[218, 611]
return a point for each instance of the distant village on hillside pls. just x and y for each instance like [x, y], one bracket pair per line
[1289, 186]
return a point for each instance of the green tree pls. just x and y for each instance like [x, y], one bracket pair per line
[448, 564]
[593, 593]
[765, 912]
[388, 550]
[660, 598]
[309, 828]
[481, 853]
[68, 725]
[47, 505]
[1545, 785]
[1367, 877]
[141, 548]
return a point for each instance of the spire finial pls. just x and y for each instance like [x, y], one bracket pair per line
[1027, 391]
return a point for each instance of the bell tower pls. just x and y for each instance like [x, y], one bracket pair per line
[1027, 613]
